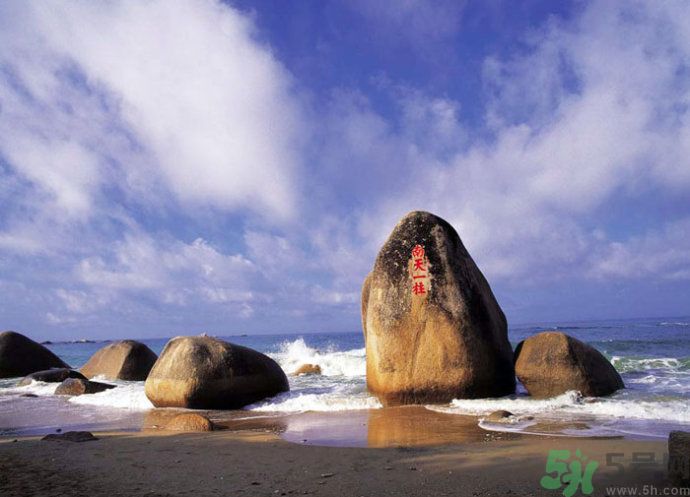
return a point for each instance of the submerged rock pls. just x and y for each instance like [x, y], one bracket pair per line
[78, 386]
[432, 326]
[308, 369]
[551, 363]
[189, 422]
[56, 375]
[20, 356]
[125, 360]
[499, 416]
[207, 373]
[71, 436]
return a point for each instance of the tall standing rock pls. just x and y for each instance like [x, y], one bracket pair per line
[432, 326]
[20, 356]
[206, 373]
[125, 360]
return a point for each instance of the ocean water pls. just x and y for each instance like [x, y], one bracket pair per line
[652, 355]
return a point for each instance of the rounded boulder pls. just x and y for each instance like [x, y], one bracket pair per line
[551, 363]
[189, 422]
[125, 360]
[199, 372]
[56, 375]
[78, 386]
[307, 369]
[20, 356]
[432, 326]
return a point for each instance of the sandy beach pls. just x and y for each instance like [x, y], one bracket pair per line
[404, 458]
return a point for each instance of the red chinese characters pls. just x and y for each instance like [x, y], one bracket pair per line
[419, 271]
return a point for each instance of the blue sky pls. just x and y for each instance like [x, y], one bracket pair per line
[178, 167]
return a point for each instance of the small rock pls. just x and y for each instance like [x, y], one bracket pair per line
[190, 422]
[327, 475]
[307, 369]
[77, 386]
[71, 436]
[499, 416]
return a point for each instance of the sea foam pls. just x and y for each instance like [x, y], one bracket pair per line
[292, 354]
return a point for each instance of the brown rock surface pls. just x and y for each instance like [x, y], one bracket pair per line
[308, 369]
[433, 328]
[189, 422]
[78, 386]
[206, 373]
[551, 363]
[124, 360]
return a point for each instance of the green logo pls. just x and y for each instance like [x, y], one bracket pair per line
[575, 472]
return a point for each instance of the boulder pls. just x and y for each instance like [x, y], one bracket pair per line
[78, 386]
[71, 436]
[207, 373]
[125, 360]
[679, 458]
[20, 356]
[308, 369]
[551, 363]
[432, 326]
[56, 375]
[499, 416]
[189, 422]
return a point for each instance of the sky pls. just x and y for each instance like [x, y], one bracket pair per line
[234, 167]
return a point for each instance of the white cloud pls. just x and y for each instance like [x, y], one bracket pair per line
[663, 253]
[150, 96]
[171, 269]
[594, 109]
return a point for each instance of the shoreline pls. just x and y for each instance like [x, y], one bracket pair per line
[256, 461]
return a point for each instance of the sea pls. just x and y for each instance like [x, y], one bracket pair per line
[652, 356]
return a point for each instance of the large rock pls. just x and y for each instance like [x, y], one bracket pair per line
[20, 356]
[433, 328]
[77, 386]
[206, 373]
[125, 360]
[56, 375]
[679, 458]
[551, 363]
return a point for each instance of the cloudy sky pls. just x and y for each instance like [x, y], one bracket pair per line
[187, 166]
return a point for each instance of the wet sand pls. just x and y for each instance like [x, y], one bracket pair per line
[411, 452]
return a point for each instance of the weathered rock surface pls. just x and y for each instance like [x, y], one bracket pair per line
[679, 458]
[56, 375]
[20, 356]
[78, 386]
[499, 416]
[308, 369]
[189, 422]
[551, 363]
[433, 328]
[71, 436]
[207, 373]
[125, 360]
